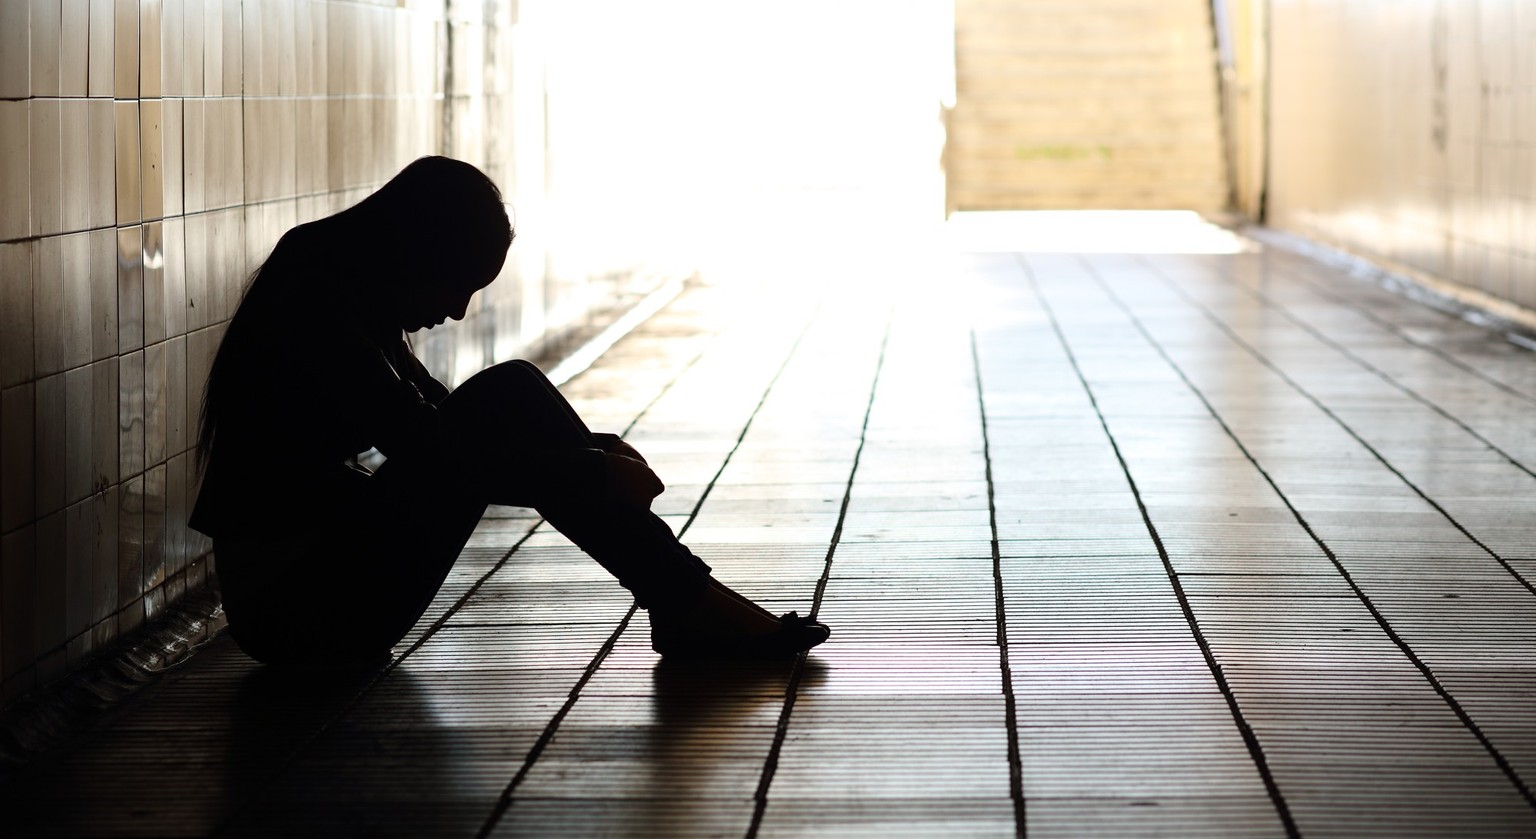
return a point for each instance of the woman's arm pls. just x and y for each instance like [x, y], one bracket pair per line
[412, 370]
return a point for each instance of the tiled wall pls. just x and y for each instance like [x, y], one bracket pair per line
[1407, 131]
[151, 152]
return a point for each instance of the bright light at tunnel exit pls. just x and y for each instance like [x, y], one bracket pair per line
[722, 134]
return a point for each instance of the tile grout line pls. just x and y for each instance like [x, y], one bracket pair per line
[436, 624]
[1250, 739]
[792, 690]
[1394, 329]
[1010, 703]
[506, 799]
[1528, 585]
[1381, 621]
[1378, 372]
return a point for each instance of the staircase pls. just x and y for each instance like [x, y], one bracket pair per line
[1077, 104]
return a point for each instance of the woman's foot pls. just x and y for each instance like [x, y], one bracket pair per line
[724, 624]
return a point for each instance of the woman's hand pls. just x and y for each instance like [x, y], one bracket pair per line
[632, 481]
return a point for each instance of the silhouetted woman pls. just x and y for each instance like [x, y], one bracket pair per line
[322, 562]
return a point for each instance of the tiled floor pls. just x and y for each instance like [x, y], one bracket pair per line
[1177, 544]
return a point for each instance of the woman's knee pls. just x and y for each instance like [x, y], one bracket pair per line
[513, 398]
[515, 380]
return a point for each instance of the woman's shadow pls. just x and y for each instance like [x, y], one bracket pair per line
[365, 754]
[350, 753]
[715, 725]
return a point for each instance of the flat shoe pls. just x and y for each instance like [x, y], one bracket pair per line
[795, 635]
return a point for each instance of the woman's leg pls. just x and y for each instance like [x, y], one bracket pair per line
[694, 613]
[511, 411]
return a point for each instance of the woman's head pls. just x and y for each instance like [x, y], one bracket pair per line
[439, 233]
[411, 255]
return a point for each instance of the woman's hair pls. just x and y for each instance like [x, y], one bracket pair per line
[437, 216]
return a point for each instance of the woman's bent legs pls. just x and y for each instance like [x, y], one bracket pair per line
[378, 567]
[514, 401]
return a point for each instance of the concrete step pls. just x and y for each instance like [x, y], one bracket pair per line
[1133, 113]
[1084, 131]
[1156, 199]
[1107, 102]
[1057, 78]
[1168, 161]
[1086, 176]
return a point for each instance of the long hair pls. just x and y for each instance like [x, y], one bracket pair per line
[437, 216]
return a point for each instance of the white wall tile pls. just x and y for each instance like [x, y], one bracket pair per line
[130, 555]
[196, 273]
[49, 444]
[287, 48]
[254, 152]
[267, 55]
[155, 404]
[18, 569]
[16, 313]
[286, 141]
[151, 157]
[75, 171]
[125, 50]
[74, 49]
[15, 169]
[233, 81]
[152, 573]
[192, 48]
[200, 347]
[17, 450]
[46, 28]
[47, 176]
[105, 459]
[130, 413]
[79, 325]
[153, 268]
[101, 65]
[51, 567]
[226, 261]
[194, 156]
[101, 163]
[173, 258]
[251, 33]
[179, 436]
[15, 50]
[150, 72]
[126, 144]
[303, 49]
[177, 504]
[172, 45]
[213, 47]
[79, 422]
[130, 288]
[171, 139]
[319, 45]
[80, 529]
[47, 306]
[234, 128]
[105, 340]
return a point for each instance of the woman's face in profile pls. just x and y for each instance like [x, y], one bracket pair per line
[425, 301]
